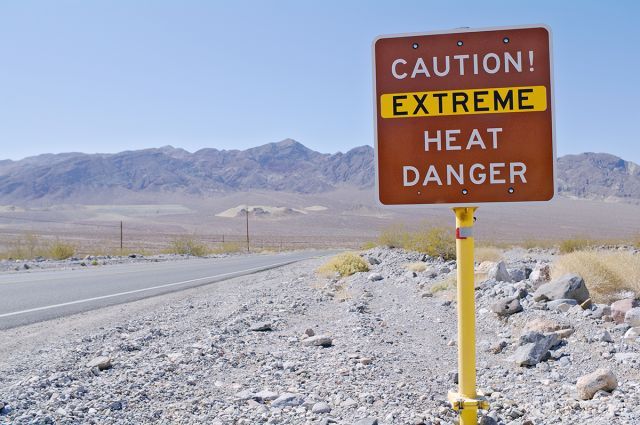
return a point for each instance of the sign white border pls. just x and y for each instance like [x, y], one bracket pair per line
[457, 31]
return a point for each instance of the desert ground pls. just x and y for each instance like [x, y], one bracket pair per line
[294, 346]
[347, 218]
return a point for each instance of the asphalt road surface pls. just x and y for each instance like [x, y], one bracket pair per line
[43, 295]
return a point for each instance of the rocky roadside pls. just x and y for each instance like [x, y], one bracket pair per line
[88, 261]
[289, 347]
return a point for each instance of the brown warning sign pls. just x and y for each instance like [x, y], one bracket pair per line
[464, 116]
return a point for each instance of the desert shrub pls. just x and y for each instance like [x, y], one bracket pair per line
[188, 246]
[575, 244]
[446, 284]
[369, 245]
[485, 253]
[435, 241]
[60, 250]
[344, 264]
[606, 274]
[418, 266]
[394, 236]
[229, 247]
[26, 246]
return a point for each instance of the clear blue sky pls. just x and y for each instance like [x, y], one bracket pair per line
[107, 76]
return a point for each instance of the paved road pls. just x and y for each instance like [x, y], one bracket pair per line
[33, 297]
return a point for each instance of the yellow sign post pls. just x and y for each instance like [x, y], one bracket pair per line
[464, 117]
[467, 400]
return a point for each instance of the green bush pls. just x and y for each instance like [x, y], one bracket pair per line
[188, 246]
[344, 264]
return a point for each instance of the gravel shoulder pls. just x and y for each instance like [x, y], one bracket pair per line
[239, 352]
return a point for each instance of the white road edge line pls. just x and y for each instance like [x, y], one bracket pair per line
[166, 285]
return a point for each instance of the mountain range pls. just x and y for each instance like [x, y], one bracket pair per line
[286, 166]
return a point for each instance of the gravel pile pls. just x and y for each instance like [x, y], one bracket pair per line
[290, 347]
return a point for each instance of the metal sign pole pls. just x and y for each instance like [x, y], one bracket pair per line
[467, 400]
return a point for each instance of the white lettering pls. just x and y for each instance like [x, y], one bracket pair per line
[394, 70]
[446, 66]
[432, 176]
[520, 172]
[475, 139]
[449, 137]
[485, 63]
[493, 172]
[461, 59]
[420, 68]
[494, 132]
[452, 172]
[481, 176]
[517, 63]
[405, 175]
[437, 140]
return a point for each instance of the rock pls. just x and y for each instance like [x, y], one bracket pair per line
[244, 395]
[506, 306]
[601, 379]
[485, 266]
[600, 311]
[534, 348]
[487, 420]
[102, 363]
[568, 286]
[261, 327]
[499, 272]
[497, 347]
[632, 317]
[620, 308]
[540, 275]
[632, 334]
[321, 407]
[375, 277]
[366, 421]
[265, 395]
[288, 400]
[606, 337]
[318, 341]
[562, 305]
[373, 261]
[116, 405]
[542, 325]
[309, 332]
[517, 275]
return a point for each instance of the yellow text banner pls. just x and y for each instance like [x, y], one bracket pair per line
[464, 102]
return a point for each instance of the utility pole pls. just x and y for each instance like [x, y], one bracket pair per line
[248, 250]
[121, 236]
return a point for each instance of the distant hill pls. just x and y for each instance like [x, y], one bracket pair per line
[286, 166]
[599, 176]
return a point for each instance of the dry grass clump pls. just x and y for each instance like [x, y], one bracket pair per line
[344, 264]
[446, 284]
[575, 244]
[417, 267]
[31, 245]
[60, 250]
[487, 253]
[434, 241]
[606, 274]
[188, 246]
[229, 247]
